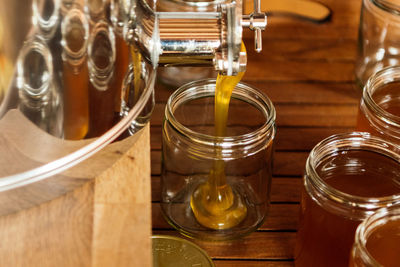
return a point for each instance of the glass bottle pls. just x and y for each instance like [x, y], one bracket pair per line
[379, 32]
[75, 32]
[377, 240]
[191, 151]
[102, 89]
[379, 110]
[39, 96]
[119, 10]
[347, 178]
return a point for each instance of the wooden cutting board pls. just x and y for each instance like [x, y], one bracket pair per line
[104, 222]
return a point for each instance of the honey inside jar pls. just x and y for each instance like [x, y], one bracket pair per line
[384, 244]
[379, 111]
[328, 222]
[214, 203]
[75, 75]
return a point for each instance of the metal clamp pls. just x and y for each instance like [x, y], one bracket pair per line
[256, 21]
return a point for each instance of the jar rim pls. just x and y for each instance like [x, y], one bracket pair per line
[349, 141]
[380, 78]
[206, 87]
[38, 45]
[388, 6]
[77, 14]
[100, 77]
[371, 223]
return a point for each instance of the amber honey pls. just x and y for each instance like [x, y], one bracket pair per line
[214, 204]
[352, 184]
[384, 244]
[379, 111]
[377, 240]
[75, 75]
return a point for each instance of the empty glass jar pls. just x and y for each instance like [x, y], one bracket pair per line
[216, 187]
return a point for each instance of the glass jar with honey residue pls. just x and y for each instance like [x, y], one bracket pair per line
[379, 110]
[216, 187]
[102, 85]
[347, 178]
[377, 240]
[75, 33]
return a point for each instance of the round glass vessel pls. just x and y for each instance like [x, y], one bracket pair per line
[377, 240]
[347, 178]
[379, 110]
[216, 187]
[379, 32]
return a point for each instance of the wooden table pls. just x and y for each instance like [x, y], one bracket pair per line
[306, 69]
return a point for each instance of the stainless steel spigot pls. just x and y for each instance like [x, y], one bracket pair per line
[193, 38]
[256, 21]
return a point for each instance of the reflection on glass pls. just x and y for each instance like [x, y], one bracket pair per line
[102, 89]
[119, 11]
[96, 10]
[45, 17]
[39, 96]
[133, 86]
[75, 32]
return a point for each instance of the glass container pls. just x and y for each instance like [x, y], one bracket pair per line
[39, 94]
[379, 110]
[40, 161]
[133, 87]
[103, 89]
[347, 178]
[379, 32]
[213, 187]
[75, 34]
[377, 240]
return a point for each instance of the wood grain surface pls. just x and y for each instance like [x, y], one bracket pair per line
[307, 70]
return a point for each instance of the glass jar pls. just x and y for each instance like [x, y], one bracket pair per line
[379, 33]
[379, 111]
[377, 240]
[39, 96]
[75, 33]
[102, 89]
[347, 177]
[197, 165]
[46, 15]
[132, 88]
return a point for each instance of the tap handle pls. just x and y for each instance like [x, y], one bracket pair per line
[256, 21]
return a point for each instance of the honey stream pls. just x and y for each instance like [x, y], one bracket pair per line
[214, 203]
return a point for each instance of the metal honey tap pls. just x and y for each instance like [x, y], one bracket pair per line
[194, 38]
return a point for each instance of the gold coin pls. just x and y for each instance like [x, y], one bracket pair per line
[170, 251]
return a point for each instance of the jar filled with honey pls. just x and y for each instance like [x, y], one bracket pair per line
[75, 33]
[347, 178]
[216, 186]
[377, 240]
[102, 88]
[379, 110]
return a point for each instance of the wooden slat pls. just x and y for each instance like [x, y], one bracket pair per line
[294, 139]
[258, 245]
[240, 263]
[292, 92]
[281, 217]
[282, 189]
[285, 163]
[294, 115]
